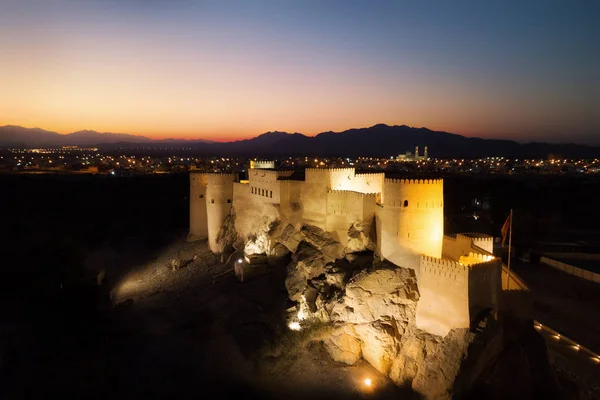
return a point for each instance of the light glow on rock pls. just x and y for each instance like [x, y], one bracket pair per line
[295, 326]
[368, 382]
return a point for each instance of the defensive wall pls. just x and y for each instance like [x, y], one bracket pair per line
[444, 295]
[211, 198]
[369, 183]
[345, 208]
[411, 220]
[198, 219]
[453, 294]
[408, 212]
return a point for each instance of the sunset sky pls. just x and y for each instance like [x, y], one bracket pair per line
[224, 70]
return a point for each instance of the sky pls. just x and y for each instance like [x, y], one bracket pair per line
[226, 70]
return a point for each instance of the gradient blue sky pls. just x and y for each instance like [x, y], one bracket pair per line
[524, 70]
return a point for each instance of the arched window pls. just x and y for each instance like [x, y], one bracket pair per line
[228, 200]
[405, 203]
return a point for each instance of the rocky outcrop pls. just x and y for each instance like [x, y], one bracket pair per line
[306, 264]
[359, 239]
[414, 348]
[388, 295]
[323, 242]
[286, 235]
[227, 236]
[343, 345]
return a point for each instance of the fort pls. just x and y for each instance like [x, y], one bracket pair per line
[400, 220]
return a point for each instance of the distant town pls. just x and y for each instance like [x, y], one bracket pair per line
[131, 162]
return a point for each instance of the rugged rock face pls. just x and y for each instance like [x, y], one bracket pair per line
[388, 295]
[323, 242]
[414, 348]
[306, 264]
[371, 306]
[287, 235]
[227, 236]
[344, 345]
[359, 239]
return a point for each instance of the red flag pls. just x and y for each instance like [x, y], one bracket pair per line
[505, 229]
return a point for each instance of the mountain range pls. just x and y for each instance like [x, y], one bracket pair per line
[378, 140]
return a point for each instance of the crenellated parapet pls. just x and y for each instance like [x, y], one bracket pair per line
[220, 178]
[443, 269]
[474, 258]
[415, 181]
[353, 193]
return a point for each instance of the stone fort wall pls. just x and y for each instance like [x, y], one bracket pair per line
[198, 226]
[454, 294]
[411, 220]
[211, 198]
[444, 301]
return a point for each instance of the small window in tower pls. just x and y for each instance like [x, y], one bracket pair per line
[212, 201]
[405, 203]
[228, 200]
[201, 196]
[271, 194]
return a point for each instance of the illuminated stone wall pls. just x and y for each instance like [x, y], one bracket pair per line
[444, 301]
[219, 199]
[411, 221]
[369, 183]
[346, 208]
[453, 294]
[263, 183]
[198, 219]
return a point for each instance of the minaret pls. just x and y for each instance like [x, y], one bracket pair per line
[425, 156]
[416, 153]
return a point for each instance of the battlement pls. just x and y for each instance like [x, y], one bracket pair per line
[198, 178]
[220, 178]
[352, 192]
[414, 181]
[442, 267]
[475, 259]
[476, 235]
[328, 170]
[370, 174]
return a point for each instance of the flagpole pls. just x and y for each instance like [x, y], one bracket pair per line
[509, 246]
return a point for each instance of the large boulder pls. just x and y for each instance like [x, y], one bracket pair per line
[227, 236]
[413, 350]
[323, 242]
[379, 295]
[379, 344]
[343, 344]
[306, 264]
[257, 244]
[287, 235]
[359, 239]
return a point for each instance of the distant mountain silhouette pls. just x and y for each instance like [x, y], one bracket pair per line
[11, 135]
[378, 140]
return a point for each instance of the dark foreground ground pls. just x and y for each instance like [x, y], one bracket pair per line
[194, 332]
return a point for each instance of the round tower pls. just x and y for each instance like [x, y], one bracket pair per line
[411, 221]
[198, 221]
[219, 198]
[421, 226]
